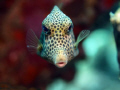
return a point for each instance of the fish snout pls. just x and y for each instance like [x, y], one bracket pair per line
[60, 60]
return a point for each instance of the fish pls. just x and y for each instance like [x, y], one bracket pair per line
[115, 21]
[57, 41]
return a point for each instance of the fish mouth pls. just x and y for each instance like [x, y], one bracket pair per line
[61, 64]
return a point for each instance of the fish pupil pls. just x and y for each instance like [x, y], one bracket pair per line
[70, 27]
[46, 30]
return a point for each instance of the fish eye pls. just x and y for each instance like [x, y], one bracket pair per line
[70, 27]
[46, 30]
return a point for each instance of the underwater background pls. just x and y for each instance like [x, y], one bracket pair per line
[95, 68]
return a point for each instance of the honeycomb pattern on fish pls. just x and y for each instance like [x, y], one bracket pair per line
[60, 35]
[57, 43]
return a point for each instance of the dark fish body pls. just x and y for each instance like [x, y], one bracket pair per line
[57, 43]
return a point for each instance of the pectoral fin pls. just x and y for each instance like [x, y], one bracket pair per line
[33, 43]
[81, 36]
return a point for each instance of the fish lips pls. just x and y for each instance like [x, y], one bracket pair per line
[60, 64]
[61, 59]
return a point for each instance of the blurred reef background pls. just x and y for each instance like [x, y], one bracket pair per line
[95, 68]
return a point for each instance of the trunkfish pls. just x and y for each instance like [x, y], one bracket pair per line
[57, 42]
